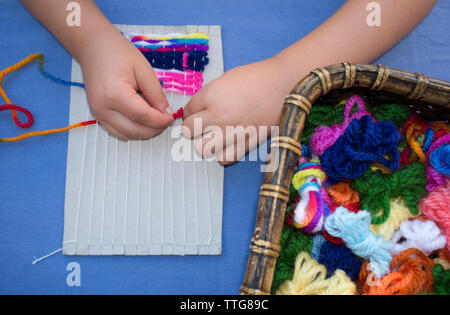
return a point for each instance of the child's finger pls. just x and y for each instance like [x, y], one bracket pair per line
[207, 145]
[151, 88]
[135, 108]
[242, 139]
[130, 128]
[195, 105]
[113, 132]
[199, 123]
[228, 155]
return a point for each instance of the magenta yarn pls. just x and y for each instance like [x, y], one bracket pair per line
[324, 136]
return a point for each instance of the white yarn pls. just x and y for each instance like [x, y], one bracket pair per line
[302, 206]
[423, 235]
[36, 260]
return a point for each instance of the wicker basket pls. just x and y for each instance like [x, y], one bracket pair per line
[428, 97]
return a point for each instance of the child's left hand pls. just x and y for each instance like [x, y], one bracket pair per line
[250, 95]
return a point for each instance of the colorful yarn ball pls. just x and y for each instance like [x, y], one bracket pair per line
[363, 143]
[376, 189]
[311, 211]
[353, 228]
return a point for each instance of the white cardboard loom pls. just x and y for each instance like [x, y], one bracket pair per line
[131, 198]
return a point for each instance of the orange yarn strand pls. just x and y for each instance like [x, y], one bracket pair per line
[342, 194]
[411, 135]
[411, 273]
[15, 67]
[47, 132]
[10, 69]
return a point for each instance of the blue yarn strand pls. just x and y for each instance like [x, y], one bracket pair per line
[56, 79]
[428, 140]
[440, 159]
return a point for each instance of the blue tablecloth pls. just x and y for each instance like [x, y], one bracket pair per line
[32, 172]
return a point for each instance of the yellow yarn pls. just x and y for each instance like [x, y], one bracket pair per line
[300, 177]
[378, 166]
[309, 279]
[177, 36]
[445, 264]
[399, 213]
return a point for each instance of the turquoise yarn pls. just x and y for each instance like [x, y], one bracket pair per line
[318, 241]
[353, 228]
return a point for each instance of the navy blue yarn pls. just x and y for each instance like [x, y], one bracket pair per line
[363, 142]
[335, 257]
[305, 151]
[197, 60]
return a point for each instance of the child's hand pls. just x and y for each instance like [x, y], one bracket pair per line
[250, 95]
[114, 72]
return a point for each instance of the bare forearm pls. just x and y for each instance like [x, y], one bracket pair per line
[346, 36]
[93, 29]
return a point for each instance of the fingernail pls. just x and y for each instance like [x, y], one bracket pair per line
[169, 110]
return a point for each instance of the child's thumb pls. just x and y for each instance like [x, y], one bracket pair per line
[150, 87]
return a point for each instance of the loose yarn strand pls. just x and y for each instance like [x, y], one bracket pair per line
[15, 108]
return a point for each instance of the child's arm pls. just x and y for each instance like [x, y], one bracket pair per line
[113, 70]
[252, 95]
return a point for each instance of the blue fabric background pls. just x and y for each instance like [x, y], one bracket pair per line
[32, 172]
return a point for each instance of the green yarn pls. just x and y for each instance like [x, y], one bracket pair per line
[376, 189]
[441, 285]
[321, 115]
[326, 115]
[292, 242]
[441, 280]
[293, 193]
[395, 113]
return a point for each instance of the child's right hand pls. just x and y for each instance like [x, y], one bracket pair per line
[114, 71]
